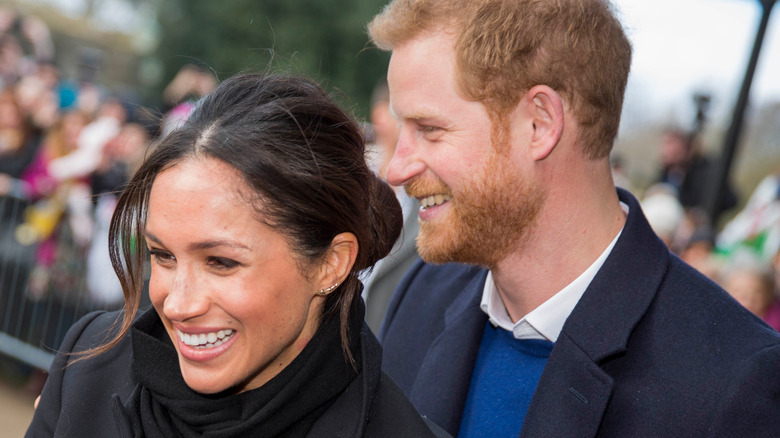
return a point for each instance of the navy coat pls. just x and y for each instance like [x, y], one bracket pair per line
[652, 349]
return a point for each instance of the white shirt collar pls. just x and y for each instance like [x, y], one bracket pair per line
[546, 321]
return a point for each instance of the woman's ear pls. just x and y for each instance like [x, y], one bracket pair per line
[545, 109]
[338, 261]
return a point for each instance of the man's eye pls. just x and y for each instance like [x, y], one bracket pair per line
[429, 129]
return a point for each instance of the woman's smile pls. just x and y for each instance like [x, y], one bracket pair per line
[203, 347]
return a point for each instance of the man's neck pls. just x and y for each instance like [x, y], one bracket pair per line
[565, 241]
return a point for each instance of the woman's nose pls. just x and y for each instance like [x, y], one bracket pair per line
[187, 298]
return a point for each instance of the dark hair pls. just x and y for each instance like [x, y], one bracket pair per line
[304, 158]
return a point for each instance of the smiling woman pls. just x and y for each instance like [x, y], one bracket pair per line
[258, 215]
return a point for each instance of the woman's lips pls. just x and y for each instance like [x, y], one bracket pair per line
[205, 346]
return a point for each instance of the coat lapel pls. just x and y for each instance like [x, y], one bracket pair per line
[443, 381]
[573, 392]
[569, 401]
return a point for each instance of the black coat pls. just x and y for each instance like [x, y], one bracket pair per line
[85, 399]
[652, 349]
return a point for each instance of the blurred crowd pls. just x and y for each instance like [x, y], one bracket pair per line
[67, 147]
[742, 256]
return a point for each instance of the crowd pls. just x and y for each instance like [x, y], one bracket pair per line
[744, 256]
[67, 147]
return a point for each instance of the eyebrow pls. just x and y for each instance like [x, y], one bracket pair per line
[206, 244]
[423, 113]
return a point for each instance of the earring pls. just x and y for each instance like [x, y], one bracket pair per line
[323, 292]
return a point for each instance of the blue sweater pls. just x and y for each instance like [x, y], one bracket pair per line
[502, 384]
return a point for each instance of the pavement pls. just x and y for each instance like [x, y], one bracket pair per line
[16, 410]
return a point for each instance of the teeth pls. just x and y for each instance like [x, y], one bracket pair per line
[434, 200]
[205, 340]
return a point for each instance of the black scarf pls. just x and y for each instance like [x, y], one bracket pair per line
[286, 406]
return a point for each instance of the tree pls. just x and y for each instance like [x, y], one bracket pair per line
[324, 39]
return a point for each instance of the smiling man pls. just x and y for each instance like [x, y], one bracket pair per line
[545, 305]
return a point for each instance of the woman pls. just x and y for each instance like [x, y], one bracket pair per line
[18, 145]
[258, 213]
[54, 201]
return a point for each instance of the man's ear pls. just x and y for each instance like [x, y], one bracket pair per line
[338, 261]
[545, 109]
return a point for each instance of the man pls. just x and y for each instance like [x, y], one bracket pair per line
[388, 272]
[568, 317]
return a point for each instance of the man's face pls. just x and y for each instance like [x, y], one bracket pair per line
[476, 202]
[673, 150]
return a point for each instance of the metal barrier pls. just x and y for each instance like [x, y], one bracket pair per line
[38, 302]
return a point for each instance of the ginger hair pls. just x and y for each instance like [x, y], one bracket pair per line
[504, 48]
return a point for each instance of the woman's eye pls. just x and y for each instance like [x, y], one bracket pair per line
[222, 263]
[162, 257]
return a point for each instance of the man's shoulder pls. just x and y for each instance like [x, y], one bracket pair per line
[430, 287]
[423, 275]
[701, 352]
[703, 307]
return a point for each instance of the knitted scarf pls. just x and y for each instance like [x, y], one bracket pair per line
[287, 405]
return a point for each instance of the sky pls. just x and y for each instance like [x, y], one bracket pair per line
[686, 46]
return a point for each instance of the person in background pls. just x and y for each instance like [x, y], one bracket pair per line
[772, 316]
[699, 252]
[751, 282]
[686, 168]
[664, 212]
[85, 159]
[189, 84]
[17, 30]
[546, 306]
[18, 147]
[388, 272]
[258, 214]
[56, 203]
[121, 157]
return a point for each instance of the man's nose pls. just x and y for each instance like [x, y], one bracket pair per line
[406, 162]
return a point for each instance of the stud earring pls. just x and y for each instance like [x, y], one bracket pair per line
[323, 292]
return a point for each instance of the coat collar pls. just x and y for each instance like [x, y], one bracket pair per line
[573, 392]
[621, 292]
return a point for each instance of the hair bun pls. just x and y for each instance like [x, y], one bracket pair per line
[386, 219]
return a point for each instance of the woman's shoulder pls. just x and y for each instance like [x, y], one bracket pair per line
[79, 391]
[90, 331]
[394, 415]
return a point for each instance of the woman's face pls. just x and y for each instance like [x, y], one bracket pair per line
[10, 117]
[72, 124]
[226, 286]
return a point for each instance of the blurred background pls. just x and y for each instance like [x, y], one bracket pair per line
[87, 85]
